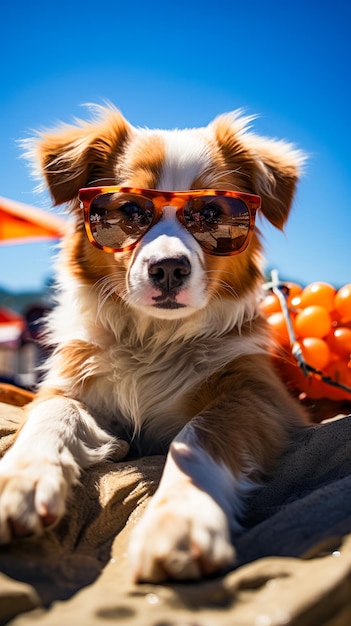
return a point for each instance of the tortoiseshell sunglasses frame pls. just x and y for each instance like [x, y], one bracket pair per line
[161, 199]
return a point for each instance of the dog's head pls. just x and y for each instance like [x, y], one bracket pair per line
[165, 264]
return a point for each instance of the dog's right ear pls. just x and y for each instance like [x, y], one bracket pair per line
[70, 157]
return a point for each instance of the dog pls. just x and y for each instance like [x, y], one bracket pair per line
[157, 336]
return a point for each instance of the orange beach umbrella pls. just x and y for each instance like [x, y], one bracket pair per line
[22, 223]
[7, 316]
[11, 326]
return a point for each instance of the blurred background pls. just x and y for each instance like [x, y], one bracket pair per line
[180, 64]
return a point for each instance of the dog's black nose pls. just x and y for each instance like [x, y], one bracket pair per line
[169, 274]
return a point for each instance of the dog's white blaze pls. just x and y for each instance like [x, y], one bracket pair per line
[167, 239]
[187, 156]
[175, 238]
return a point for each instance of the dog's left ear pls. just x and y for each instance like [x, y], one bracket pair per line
[279, 166]
[267, 167]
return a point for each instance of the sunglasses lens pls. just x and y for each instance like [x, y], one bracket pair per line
[220, 224]
[118, 220]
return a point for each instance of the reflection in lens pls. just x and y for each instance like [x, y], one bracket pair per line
[118, 220]
[220, 224]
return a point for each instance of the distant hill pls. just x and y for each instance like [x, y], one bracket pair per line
[19, 302]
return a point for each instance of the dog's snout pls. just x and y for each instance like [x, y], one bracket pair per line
[169, 274]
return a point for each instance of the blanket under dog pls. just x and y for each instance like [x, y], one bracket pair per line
[294, 553]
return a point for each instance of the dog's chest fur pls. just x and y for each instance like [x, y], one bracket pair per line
[142, 373]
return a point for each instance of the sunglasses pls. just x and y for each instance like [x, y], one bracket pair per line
[116, 218]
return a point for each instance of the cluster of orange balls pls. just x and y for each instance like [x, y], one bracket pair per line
[321, 320]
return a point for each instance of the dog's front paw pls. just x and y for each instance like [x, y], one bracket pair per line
[32, 497]
[183, 536]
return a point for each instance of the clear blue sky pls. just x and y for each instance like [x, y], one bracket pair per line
[178, 64]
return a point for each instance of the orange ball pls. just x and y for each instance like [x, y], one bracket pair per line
[313, 321]
[336, 319]
[339, 341]
[342, 302]
[294, 290]
[279, 328]
[315, 351]
[319, 293]
[295, 303]
[270, 304]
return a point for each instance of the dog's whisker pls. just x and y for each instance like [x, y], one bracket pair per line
[108, 286]
[221, 282]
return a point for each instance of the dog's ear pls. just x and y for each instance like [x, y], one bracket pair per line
[70, 157]
[279, 167]
[267, 167]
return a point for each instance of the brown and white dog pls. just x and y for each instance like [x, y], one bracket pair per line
[157, 333]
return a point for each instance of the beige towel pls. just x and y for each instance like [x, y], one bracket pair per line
[77, 574]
